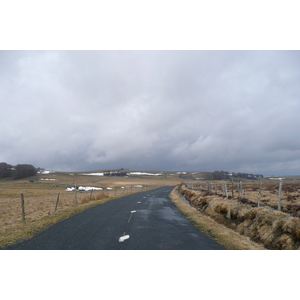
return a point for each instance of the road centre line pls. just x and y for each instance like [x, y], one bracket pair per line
[132, 212]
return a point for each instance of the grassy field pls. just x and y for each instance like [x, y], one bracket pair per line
[41, 193]
[290, 194]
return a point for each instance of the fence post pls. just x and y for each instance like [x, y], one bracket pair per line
[279, 195]
[240, 190]
[225, 190]
[222, 188]
[91, 192]
[23, 207]
[56, 202]
[232, 192]
[75, 195]
[259, 195]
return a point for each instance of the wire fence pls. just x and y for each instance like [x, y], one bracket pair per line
[281, 196]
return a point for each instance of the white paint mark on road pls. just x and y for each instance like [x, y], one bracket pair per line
[140, 202]
[132, 212]
[123, 238]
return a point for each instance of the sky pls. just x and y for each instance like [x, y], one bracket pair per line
[151, 110]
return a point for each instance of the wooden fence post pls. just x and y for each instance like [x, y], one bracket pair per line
[91, 192]
[23, 207]
[232, 191]
[75, 195]
[279, 195]
[259, 195]
[240, 190]
[225, 190]
[56, 202]
[222, 188]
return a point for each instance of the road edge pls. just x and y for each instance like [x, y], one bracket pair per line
[226, 237]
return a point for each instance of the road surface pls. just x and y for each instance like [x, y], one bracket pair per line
[141, 221]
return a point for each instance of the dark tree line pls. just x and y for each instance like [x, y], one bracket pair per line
[247, 175]
[115, 173]
[16, 172]
[219, 175]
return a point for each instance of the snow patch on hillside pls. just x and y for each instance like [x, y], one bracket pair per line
[142, 173]
[94, 174]
[83, 188]
[46, 172]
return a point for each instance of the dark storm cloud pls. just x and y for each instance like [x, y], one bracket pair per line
[163, 110]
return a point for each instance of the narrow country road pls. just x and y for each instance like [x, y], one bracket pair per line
[142, 221]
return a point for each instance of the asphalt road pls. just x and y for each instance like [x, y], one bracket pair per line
[142, 221]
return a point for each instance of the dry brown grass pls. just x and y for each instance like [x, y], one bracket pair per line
[290, 197]
[223, 235]
[272, 228]
[40, 199]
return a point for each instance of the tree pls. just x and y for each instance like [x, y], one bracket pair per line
[23, 170]
[5, 170]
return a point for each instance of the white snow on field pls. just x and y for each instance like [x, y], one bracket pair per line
[109, 188]
[83, 188]
[46, 172]
[94, 174]
[276, 178]
[47, 179]
[142, 173]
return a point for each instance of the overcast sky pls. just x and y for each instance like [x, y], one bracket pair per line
[151, 110]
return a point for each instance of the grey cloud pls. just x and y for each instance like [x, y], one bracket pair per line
[187, 110]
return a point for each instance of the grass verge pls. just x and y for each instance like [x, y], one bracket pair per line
[226, 237]
[32, 227]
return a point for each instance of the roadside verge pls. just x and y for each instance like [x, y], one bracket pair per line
[28, 229]
[270, 228]
[226, 237]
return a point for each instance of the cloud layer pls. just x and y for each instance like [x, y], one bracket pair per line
[151, 110]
